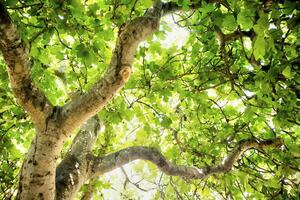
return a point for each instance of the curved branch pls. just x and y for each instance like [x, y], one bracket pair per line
[112, 161]
[88, 104]
[16, 57]
[130, 35]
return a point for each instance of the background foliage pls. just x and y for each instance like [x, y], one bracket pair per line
[193, 102]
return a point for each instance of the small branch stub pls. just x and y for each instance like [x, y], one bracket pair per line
[125, 73]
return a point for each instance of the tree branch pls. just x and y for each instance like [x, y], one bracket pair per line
[71, 172]
[130, 35]
[101, 165]
[88, 104]
[16, 57]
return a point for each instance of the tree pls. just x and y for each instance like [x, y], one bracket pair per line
[218, 116]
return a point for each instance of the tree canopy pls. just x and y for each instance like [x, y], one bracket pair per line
[217, 117]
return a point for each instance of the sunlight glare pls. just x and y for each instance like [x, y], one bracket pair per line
[177, 36]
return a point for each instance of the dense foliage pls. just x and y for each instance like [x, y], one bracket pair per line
[236, 77]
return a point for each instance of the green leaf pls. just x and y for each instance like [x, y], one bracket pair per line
[141, 136]
[245, 20]
[295, 150]
[259, 48]
[147, 3]
[263, 19]
[11, 2]
[229, 23]
[77, 9]
[166, 122]
[259, 30]
[206, 9]
[287, 73]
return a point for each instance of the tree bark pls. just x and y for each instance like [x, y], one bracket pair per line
[16, 56]
[37, 179]
[118, 73]
[101, 165]
[72, 171]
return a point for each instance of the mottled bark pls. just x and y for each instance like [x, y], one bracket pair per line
[37, 179]
[118, 73]
[18, 64]
[112, 161]
[72, 171]
[38, 172]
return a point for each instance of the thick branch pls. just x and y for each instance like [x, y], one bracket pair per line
[18, 66]
[130, 35]
[112, 161]
[71, 172]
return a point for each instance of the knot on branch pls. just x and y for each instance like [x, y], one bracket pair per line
[125, 73]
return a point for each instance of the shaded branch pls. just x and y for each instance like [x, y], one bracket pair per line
[18, 64]
[112, 161]
[71, 172]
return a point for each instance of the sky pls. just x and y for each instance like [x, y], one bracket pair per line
[178, 36]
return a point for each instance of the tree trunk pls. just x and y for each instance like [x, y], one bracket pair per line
[37, 179]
